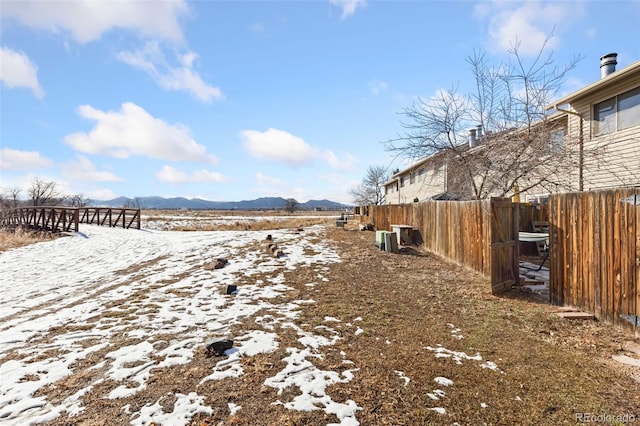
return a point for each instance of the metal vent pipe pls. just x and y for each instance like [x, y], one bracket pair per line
[472, 138]
[608, 64]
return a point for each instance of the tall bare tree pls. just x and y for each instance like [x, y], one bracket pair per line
[43, 193]
[371, 189]
[513, 145]
[11, 198]
[291, 205]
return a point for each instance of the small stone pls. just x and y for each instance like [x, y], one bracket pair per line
[217, 347]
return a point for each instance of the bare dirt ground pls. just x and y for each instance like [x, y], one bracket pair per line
[414, 306]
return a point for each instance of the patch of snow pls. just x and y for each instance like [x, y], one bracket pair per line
[455, 332]
[443, 381]
[403, 377]
[130, 289]
[185, 407]
[233, 408]
[331, 319]
[437, 394]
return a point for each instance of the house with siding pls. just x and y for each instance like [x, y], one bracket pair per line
[604, 118]
[422, 180]
[600, 124]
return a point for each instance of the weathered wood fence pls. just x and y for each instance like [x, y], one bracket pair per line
[594, 242]
[67, 219]
[481, 235]
[595, 254]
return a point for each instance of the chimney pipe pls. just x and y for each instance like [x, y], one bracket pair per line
[472, 138]
[608, 64]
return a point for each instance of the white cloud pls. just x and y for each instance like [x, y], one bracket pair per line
[17, 70]
[133, 131]
[346, 163]
[82, 169]
[348, 7]
[377, 86]
[152, 60]
[278, 145]
[283, 147]
[169, 174]
[88, 20]
[101, 194]
[529, 23]
[13, 159]
[265, 180]
[257, 27]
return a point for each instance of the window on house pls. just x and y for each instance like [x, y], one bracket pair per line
[557, 139]
[421, 171]
[401, 181]
[412, 178]
[617, 113]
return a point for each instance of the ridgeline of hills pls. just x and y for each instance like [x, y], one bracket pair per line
[265, 203]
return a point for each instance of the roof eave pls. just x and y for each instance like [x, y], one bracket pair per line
[615, 76]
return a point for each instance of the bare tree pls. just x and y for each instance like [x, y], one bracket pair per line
[291, 205]
[77, 200]
[513, 145]
[44, 193]
[132, 203]
[371, 189]
[11, 198]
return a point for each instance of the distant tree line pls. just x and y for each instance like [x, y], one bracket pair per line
[40, 193]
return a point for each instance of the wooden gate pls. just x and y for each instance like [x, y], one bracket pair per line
[595, 254]
[504, 244]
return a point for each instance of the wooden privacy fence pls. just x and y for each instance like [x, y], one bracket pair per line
[481, 235]
[67, 219]
[595, 254]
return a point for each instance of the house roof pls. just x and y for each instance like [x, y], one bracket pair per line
[414, 166]
[597, 85]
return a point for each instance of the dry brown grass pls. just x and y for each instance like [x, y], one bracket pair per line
[404, 303]
[256, 225]
[20, 237]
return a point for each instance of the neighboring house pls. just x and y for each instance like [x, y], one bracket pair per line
[604, 117]
[597, 129]
[422, 180]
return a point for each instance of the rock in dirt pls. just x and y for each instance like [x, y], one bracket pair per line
[218, 346]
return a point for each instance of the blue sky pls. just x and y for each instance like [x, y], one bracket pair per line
[235, 100]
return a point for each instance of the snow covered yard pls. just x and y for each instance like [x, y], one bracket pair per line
[114, 308]
[110, 326]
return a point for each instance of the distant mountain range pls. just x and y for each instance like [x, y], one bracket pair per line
[268, 203]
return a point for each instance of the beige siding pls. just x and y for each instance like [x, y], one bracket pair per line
[392, 194]
[613, 159]
[422, 186]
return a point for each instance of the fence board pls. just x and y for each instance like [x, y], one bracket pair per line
[481, 235]
[595, 253]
